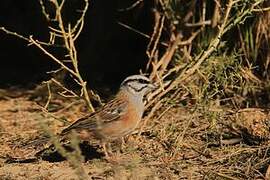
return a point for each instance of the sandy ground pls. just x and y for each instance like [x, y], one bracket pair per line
[215, 143]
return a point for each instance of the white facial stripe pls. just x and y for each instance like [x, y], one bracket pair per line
[137, 88]
[137, 84]
[138, 78]
[141, 81]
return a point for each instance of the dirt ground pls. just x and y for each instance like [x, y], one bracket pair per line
[180, 142]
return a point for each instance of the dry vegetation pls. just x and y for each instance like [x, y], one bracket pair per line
[208, 120]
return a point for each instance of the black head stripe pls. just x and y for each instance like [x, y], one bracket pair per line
[139, 89]
[142, 81]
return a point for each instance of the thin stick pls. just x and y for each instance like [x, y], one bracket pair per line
[52, 56]
[138, 32]
[49, 95]
[131, 6]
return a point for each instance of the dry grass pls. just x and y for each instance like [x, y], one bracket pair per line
[185, 143]
[212, 67]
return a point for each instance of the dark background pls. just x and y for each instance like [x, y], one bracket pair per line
[107, 52]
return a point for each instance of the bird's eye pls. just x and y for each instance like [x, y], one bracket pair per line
[142, 81]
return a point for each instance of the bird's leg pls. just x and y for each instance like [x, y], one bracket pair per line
[109, 149]
[122, 144]
[105, 150]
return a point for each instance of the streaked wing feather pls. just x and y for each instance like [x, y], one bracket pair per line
[87, 122]
[113, 110]
[106, 114]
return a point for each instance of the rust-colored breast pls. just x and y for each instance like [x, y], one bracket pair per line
[123, 126]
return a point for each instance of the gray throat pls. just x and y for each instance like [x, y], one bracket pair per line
[137, 100]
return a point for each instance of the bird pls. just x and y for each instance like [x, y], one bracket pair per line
[119, 117]
[116, 119]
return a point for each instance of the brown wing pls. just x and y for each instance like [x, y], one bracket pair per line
[110, 112]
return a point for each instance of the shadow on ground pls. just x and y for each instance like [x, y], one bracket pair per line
[51, 155]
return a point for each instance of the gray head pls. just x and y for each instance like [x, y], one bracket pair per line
[137, 85]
